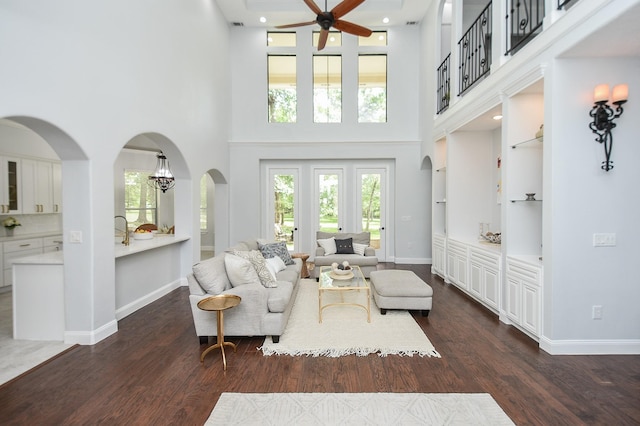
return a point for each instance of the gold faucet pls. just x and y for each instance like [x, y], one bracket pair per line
[126, 230]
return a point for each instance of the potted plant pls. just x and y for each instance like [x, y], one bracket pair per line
[9, 224]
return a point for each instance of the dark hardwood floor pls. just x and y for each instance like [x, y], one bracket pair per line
[149, 372]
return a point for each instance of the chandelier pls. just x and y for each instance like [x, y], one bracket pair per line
[162, 177]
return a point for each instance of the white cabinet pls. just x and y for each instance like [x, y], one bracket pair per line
[37, 186]
[15, 249]
[56, 174]
[22, 248]
[484, 277]
[10, 185]
[524, 294]
[457, 263]
[438, 266]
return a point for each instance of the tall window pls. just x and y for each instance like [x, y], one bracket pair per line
[327, 89]
[140, 199]
[372, 88]
[282, 88]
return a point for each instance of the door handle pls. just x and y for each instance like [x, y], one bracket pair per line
[382, 229]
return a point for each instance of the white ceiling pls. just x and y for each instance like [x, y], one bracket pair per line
[279, 12]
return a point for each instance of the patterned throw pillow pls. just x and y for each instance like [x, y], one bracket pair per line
[344, 246]
[359, 248]
[258, 262]
[276, 249]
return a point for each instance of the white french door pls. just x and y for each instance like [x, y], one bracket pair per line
[329, 199]
[283, 206]
[370, 206]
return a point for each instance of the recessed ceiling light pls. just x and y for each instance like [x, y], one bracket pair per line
[263, 19]
[385, 20]
[497, 117]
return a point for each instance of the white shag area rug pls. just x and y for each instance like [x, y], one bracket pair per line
[357, 409]
[344, 329]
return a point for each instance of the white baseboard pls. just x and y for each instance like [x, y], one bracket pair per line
[413, 260]
[91, 337]
[590, 347]
[146, 299]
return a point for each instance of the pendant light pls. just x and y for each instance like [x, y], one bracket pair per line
[162, 177]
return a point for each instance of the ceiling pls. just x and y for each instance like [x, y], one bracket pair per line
[279, 12]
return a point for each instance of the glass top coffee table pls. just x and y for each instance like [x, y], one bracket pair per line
[355, 282]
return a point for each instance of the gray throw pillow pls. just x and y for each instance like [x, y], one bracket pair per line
[212, 275]
[277, 249]
[344, 246]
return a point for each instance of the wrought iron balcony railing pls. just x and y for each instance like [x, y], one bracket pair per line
[564, 3]
[444, 89]
[474, 49]
[524, 22]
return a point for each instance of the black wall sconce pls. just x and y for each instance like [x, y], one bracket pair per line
[603, 116]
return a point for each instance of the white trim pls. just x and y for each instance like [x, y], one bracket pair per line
[147, 299]
[411, 260]
[590, 347]
[91, 337]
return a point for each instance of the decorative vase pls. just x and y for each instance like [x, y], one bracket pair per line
[9, 232]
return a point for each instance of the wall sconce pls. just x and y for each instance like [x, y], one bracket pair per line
[603, 116]
[162, 177]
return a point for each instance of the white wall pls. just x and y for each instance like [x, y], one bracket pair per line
[587, 200]
[100, 73]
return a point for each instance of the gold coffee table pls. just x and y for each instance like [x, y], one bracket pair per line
[328, 282]
[219, 304]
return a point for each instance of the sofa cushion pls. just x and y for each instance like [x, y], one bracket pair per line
[289, 274]
[279, 297]
[329, 245]
[344, 246]
[359, 248]
[260, 265]
[212, 275]
[276, 249]
[240, 271]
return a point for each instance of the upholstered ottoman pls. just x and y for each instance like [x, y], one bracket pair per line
[397, 289]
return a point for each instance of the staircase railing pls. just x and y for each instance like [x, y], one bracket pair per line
[474, 50]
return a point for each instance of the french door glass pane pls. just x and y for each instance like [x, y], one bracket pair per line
[328, 185]
[371, 207]
[283, 223]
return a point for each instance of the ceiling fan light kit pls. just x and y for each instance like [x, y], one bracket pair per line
[328, 19]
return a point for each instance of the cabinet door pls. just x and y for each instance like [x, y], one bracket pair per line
[513, 299]
[56, 176]
[36, 187]
[462, 271]
[452, 267]
[491, 282]
[530, 309]
[10, 181]
[475, 279]
[438, 259]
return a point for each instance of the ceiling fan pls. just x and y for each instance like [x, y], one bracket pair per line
[328, 19]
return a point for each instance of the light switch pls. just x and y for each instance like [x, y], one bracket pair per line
[604, 240]
[75, 237]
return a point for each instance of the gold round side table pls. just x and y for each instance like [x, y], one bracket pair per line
[219, 304]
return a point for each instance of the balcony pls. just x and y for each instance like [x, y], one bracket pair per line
[474, 50]
[523, 23]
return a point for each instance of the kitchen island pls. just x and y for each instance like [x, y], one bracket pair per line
[144, 271]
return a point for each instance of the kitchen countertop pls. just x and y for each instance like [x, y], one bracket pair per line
[4, 239]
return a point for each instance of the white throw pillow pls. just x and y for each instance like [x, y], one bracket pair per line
[329, 245]
[359, 248]
[275, 265]
[212, 275]
[240, 271]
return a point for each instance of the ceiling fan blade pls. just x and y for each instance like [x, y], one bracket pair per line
[345, 7]
[322, 41]
[299, 24]
[351, 28]
[314, 7]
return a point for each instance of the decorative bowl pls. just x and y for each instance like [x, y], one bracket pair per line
[342, 271]
[493, 238]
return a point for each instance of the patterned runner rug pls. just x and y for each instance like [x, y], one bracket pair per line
[345, 331]
[357, 409]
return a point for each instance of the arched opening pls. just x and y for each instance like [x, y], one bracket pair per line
[209, 205]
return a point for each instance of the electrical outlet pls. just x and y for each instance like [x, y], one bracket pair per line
[410, 245]
[604, 240]
[596, 312]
